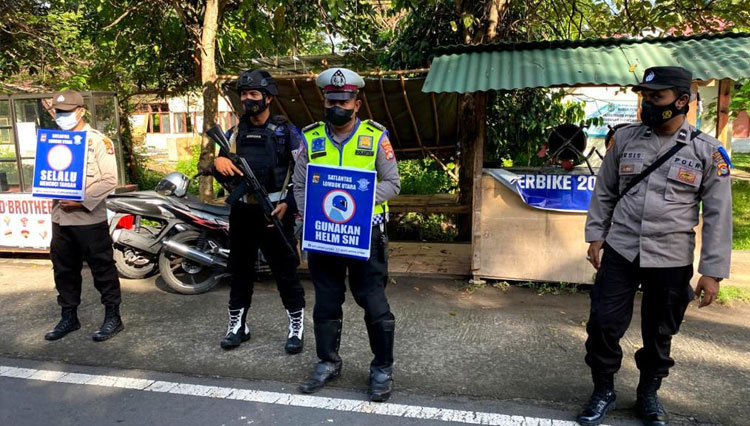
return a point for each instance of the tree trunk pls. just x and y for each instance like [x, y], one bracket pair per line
[210, 92]
[468, 135]
[127, 144]
[473, 124]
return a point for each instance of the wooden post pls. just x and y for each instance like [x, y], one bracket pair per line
[723, 132]
[419, 138]
[281, 108]
[388, 112]
[435, 118]
[477, 163]
[692, 115]
[367, 105]
[304, 104]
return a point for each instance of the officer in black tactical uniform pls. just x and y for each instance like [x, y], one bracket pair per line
[269, 145]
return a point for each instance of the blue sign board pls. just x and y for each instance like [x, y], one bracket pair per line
[338, 211]
[60, 166]
[560, 192]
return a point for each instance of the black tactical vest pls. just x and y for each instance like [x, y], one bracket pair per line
[265, 150]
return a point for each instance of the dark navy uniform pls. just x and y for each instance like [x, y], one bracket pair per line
[269, 150]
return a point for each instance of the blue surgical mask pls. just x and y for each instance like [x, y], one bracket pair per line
[66, 120]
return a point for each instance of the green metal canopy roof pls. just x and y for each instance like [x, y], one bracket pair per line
[610, 61]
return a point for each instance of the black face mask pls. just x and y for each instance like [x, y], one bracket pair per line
[338, 116]
[254, 107]
[655, 116]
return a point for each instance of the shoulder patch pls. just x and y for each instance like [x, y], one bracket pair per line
[311, 126]
[110, 146]
[385, 145]
[376, 125]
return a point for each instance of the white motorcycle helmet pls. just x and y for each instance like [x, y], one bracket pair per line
[174, 183]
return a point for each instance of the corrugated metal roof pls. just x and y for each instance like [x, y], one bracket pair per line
[619, 62]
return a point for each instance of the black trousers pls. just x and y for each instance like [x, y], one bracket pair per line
[367, 282]
[248, 230]
[70, 246]
[666, 295]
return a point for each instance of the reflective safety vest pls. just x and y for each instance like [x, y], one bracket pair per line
[359, 151]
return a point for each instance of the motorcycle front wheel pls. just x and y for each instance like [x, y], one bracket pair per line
[185, 276]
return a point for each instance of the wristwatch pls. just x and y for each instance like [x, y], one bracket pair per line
[717, 279]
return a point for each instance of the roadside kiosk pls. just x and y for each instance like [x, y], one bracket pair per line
[25, 224]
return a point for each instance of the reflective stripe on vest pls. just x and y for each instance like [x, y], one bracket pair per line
[359, 151]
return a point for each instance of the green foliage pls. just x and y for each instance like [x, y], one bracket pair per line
[147, 178]
[740, 101]
[520, 121]
[189, 167]
[422, 227]
[741, 161]
[740, 210]
[424, 176]
[729, 294]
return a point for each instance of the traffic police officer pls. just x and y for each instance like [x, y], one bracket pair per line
[268, 144]
[80, 231]
[344, 140]
[646, 232]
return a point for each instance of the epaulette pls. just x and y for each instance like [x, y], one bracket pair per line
[93, 130]
[376, 125]
[311, 126]
[703, 136]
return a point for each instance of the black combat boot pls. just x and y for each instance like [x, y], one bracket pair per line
[647, 404]
[295, 340]
[112, 324]
[381, 336]
[238, 330]
[68, 322]
[327, 341]
[601, 402]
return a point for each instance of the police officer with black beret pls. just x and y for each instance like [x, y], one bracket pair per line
[269, 145]
[80, 231]
[648, 196]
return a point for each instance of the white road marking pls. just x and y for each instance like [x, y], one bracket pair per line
[277, 398]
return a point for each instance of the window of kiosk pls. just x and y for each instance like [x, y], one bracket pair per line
[32, 115]
[9, 179]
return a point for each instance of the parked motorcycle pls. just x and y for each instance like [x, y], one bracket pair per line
[169, 229]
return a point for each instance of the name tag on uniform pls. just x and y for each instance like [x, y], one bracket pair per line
[631, 167]
[364, 152]
[687, 175]
[632, 155]
[687, 162]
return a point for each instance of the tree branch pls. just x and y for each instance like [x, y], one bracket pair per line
[121, 17]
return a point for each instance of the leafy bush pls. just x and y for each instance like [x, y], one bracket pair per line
[422, 227]
[424, 177]
[189, 168]
[519, 123]
[147, 178]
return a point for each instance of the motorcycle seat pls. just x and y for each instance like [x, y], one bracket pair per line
[210, 208]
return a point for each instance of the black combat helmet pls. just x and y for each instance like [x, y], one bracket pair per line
[257, 80]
